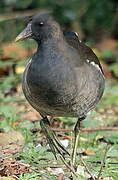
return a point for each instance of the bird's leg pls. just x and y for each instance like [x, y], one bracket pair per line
[54, 143]
[76, 138]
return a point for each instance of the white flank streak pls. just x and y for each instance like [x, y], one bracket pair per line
[94, 64]
[78, 36]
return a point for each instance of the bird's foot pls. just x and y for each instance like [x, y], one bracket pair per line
[54, 143]
[58, 149]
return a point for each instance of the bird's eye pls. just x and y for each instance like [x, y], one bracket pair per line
[41, 24]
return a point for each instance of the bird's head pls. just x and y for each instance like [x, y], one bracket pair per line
[40, 27]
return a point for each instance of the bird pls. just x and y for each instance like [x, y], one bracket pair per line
[63, 78]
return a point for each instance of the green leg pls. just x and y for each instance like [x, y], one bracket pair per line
[54, 143]
[57, 147]
[76, 139]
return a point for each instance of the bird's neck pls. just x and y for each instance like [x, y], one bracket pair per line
[51, 43]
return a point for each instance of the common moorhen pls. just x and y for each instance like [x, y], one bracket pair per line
[63, 78]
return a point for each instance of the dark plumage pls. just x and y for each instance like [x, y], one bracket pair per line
[64, 76]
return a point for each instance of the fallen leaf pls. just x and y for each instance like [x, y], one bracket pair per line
[64, 142]
[82, 171]
[60, 177]
[89, 152]
[11, 137]
[56, 171]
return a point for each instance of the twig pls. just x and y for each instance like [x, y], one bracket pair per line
[99, 162]
[84, 130]
[51, 166]
[103, 162]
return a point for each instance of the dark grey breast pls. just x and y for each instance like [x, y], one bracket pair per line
[64, 76]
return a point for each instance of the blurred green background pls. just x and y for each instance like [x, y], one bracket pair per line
[92, 18]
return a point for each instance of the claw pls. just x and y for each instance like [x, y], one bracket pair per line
[54, 143]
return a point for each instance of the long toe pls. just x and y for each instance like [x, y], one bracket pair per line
[54, 143]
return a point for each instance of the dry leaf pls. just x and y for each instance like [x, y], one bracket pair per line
[89, 152]
[11, 137]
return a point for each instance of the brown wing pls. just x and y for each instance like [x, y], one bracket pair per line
[84, 51]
